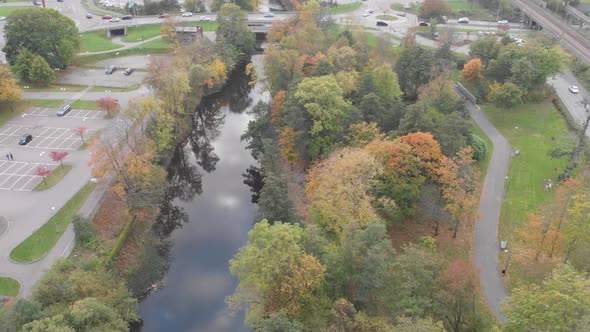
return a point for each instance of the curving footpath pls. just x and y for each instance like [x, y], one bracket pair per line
[485, 242]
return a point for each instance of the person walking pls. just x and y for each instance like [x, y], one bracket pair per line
[11, 157]
[7, 156]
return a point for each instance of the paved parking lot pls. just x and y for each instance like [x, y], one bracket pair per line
[20, 176]
[74, 113]
[97, 77]
[43, 137]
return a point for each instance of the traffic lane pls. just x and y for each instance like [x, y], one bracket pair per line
[571, 101]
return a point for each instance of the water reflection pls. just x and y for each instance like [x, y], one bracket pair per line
[209, 207]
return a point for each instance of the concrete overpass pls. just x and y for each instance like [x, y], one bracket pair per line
[535, 13]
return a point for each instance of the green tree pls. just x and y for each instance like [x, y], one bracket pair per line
[32, 68]
[407, 324]
[233, 33]
[322, 99]
[56, 323]
[479, 147]
[386, 84]
[194, 6]
[90, 314]
[485, 49]
[278, 322]
[414, 69]
[506, 95]
[57, 41]
[559, 304]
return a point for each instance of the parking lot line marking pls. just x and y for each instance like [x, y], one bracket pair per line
[26, 184]
[14, 174]
[17, 181]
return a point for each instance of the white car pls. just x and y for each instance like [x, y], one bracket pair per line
[503, 22]
[463, 20]
[187, 14]
[573, 89]
[370, 10]
[204, 18]
[115, 19]
[365, 14]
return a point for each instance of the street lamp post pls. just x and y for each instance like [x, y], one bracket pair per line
[507, 262]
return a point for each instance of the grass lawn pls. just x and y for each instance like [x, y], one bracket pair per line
[462, 5]
[386, 17]
[5, 11]
[54, 88]
[6, 113]
[85, 104]
[345, 8]
[43, 239]
[148, 31]
[9, 286]
[96, 41]
[103, 88]
[158, 46]
[54, 177]
[46, 102]
[483, 164]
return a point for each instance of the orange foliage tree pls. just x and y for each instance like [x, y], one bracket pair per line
[276, 107]
[472, 70]
[287, 145]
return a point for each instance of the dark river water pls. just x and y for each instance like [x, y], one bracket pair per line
[206, 174]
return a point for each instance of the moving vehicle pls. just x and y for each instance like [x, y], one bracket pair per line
[64, 109]
[503, 22]
[164, 16]
[115, 19]
[382, 24]
[25, 139]
[402, 14]
[365, 14]
[370, 10]
[463, 20]
[126, 17]
[88, 16]
[269, 15]
[423, 24]
[110, 69]
[574, 89]
[107, 17]
[187, 14]
[129, 71]
[204, 18]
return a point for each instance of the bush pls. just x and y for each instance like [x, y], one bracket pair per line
[479, 147]
[85, 230]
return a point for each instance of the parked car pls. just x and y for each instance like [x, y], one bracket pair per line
[269, 15]
[365, 14]
[503, 22]
[129, 71]
[60, 0]
[88, 16]
[126, 17]
[187, 14]
[463, 20]
[25, 139]
[423, 24]
[36, 3]
[107, 17]
[370, 10]
[115, 19]
[435, 34]
[382, 24]
[64, 109]
[110, 69]
[402, 14]
[163, 16]
[204, 18]
[574, 89]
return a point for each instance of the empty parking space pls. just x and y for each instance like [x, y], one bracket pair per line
[21, 176]
[74, 113]
[43, 138]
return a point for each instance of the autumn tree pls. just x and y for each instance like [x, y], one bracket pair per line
[433, 9]
[233, 34]
[10, 92]
[473, 70]
[80, 131]
[338, 189]
[359, 134]
[276, 107]
[561, 302]
[217, 73]
[108, 104]
[322, 99]
[287, 145]
[43, 172]
[59, 156]
[168, 29]
[274, 272]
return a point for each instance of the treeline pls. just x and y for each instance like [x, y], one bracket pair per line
[91, 292]
[383, 139]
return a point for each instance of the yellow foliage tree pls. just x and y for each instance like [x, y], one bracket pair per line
[9, 90]
[287, 145]
[217, 73]
[472, 70]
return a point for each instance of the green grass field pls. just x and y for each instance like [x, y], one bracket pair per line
[462, 5]
[53, 178]
[54, 88]
[386, 17]
[534, 129]
[158, 46]
[345, 8]
[96, 41]
[44, 238]
[85, 104]
[9, 286]
[46, 102]
[134, 34]
[103, 88]
[5, 11]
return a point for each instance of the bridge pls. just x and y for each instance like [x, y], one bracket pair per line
[535, 13]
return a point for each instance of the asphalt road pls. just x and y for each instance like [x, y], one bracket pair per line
[571, 101]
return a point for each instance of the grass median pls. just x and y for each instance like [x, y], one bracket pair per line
[96, 41]
[54, 177]
[43, 239]
[345, 8]
[9, 287]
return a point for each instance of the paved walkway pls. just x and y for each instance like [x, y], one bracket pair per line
[485, 243]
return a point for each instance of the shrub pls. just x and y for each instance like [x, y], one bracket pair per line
[85, 230]
[479, 147]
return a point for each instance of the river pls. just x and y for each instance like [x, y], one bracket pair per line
[206, 175]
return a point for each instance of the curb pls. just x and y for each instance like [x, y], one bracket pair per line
[28, 263]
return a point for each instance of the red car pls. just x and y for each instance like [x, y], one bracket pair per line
[107, 17]
[164, 16]
[423, 24]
